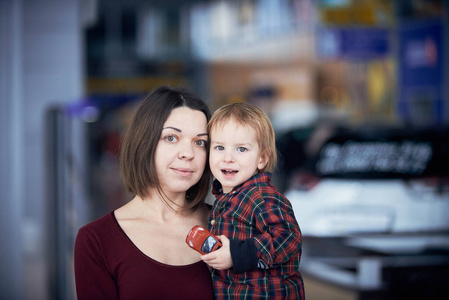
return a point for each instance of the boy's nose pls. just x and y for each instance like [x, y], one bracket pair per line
[228, 157]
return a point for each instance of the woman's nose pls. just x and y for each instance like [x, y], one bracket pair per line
[186, 151]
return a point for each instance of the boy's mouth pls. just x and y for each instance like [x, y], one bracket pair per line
[229, 172]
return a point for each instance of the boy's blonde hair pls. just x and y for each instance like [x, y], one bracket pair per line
[249, 115]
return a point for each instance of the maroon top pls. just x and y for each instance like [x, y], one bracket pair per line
[109, 266]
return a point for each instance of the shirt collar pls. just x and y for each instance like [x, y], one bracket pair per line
[264, 177]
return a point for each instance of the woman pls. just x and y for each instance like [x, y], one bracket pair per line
[138, 251]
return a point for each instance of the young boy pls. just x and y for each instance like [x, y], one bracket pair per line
[261, 239]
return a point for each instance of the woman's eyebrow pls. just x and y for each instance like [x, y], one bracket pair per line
[174, 128]
[179, 130]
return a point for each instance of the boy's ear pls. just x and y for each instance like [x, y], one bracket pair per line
[263, 160]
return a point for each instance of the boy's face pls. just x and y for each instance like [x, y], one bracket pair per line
[235, 155]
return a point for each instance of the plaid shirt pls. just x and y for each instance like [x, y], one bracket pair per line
[256, 212]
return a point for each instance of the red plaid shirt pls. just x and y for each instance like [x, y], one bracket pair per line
[258, 215]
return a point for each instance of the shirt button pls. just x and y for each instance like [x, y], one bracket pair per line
[212, 222]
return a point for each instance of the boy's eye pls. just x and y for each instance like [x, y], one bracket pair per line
[219, 148]
[241, 149]
[201, 143]
[171, 138]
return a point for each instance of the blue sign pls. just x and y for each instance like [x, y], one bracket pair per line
[353, 43]
[421, 72]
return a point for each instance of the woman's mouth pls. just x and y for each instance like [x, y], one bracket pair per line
[183, 172]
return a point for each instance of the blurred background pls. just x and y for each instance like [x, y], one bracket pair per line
[357, 92]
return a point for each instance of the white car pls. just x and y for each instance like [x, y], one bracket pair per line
[367, 180]
[372, 205]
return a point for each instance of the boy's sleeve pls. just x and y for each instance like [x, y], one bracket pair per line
[281, 236]
[244, 255]
[279, 240]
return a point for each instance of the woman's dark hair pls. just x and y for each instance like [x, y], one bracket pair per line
[139, 144]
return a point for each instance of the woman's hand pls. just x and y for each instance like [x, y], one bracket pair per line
[219, 259]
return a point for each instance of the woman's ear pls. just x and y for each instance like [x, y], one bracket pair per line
[263, 160]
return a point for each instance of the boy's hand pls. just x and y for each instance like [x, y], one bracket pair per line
[219, 259]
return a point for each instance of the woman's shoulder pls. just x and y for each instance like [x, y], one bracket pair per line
[202, 214]
[103, 223]
[205, 209]
[207, 206]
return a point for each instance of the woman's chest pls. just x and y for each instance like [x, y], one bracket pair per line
[149, 279]
[163, 244]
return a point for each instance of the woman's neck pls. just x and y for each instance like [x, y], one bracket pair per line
[156, 206]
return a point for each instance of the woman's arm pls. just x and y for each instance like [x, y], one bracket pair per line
[93, 280]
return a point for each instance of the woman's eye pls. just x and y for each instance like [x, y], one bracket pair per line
[241, 149]
[201, 143]
[219, 148]
[171, 138]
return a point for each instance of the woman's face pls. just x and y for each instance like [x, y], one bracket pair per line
[181, 152]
